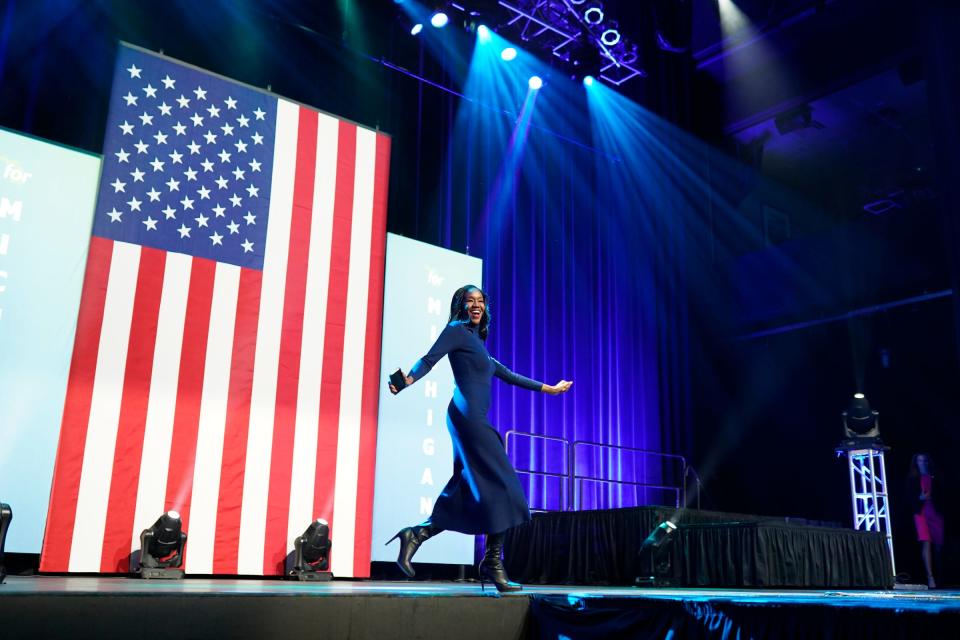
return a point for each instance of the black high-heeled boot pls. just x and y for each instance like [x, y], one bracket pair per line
[410, 540]
[491, 567]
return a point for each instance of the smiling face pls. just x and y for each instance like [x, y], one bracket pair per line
[474, 305]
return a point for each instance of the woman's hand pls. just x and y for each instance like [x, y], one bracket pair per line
[406, 379]
[556, 389]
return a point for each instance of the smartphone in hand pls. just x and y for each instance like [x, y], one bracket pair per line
[398, 380]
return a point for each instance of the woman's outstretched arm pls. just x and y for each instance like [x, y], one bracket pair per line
[446, 342]
[526, 383]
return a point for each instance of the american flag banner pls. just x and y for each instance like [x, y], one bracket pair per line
[226, 360]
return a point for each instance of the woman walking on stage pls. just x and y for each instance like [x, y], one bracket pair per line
[484, 494]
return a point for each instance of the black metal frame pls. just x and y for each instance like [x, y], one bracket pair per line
[573, 481]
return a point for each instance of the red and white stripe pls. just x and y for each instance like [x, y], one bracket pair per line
[245, 400]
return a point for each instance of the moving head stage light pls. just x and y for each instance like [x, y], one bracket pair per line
[860, 422]
[161, 548]
[655, 566]
[311, 553]
[869, 489]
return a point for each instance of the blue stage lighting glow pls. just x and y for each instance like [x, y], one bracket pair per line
[587, 81]
[593, 15]
[439, 19]
[535, 82]
[417, 28]
[483, 33]
[508, 54]
[610, 37]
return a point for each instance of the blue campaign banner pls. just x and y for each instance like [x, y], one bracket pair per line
[47, 195]
[414, 451]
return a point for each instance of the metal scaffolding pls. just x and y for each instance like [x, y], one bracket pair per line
[559, 26]
[868, 491]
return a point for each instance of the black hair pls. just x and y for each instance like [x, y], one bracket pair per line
[458, 309]
[915, 468]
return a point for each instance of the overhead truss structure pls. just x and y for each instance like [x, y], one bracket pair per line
[562, 28]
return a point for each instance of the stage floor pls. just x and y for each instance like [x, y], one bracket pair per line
[934, 600]
[103, 607]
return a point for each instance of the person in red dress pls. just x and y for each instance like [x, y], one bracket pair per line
[928, 522]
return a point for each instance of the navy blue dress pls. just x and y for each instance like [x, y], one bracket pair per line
[484, 494]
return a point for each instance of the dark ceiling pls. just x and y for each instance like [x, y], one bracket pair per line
[851, 61]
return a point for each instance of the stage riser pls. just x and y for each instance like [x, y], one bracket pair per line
[107, 616]
[170, 617]
[708, 549]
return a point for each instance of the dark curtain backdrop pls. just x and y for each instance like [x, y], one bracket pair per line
[941, 19]
[575, 288]
[585, 282]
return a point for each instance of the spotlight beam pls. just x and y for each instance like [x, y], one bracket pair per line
[754, 34]
[510, 114]
[503, 184]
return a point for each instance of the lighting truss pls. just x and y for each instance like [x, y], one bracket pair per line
[868, 491]
[559, 27]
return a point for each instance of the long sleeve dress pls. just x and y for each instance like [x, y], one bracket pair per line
[484, 494]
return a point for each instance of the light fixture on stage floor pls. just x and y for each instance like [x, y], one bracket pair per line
[655, 565]
[508, 54]
[311, 553]
[6, 515]
[535, 82]
[161, 548]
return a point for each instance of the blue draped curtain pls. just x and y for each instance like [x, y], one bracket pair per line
[580, 289]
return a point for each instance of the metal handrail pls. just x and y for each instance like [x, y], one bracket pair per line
[566, 454]
[574, 481]
[618, 446]
[577, 480]
[536, 435]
